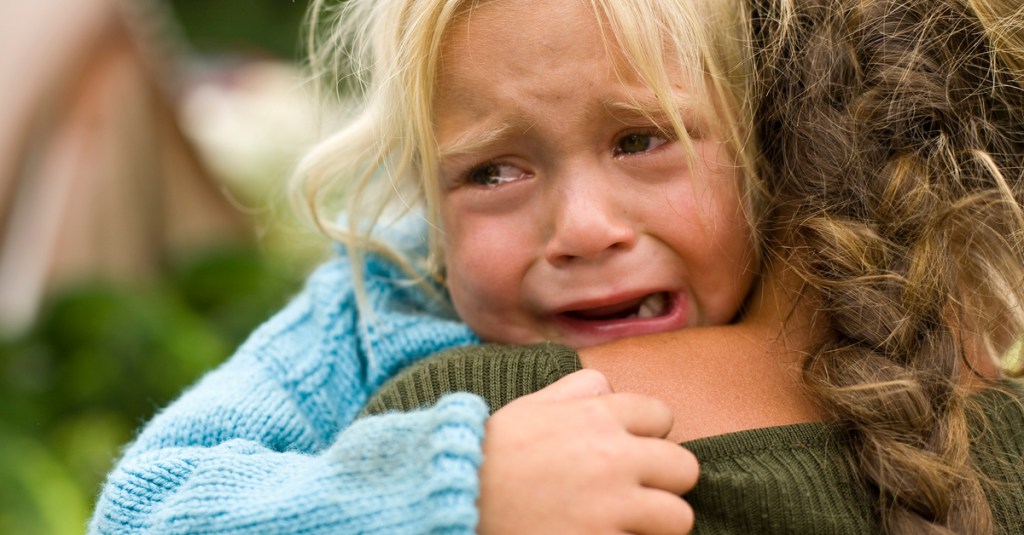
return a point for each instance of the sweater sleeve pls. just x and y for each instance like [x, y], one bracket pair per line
[263, 444]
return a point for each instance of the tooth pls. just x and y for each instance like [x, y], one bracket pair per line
[653, 306]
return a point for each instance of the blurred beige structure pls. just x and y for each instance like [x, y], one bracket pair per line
[97, 179]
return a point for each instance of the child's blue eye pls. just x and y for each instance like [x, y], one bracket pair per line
[495, 174]
[639, 142]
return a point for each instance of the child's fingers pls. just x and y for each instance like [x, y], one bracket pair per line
[655, 512]
[640, 415]
[577, 438]
[583, 383]
[667, 466]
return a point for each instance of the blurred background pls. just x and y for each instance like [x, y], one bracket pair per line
[145, 147]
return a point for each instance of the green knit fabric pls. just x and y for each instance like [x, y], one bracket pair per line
[795, 479]
[491, 371]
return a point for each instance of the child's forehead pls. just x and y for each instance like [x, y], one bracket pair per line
[540, 44]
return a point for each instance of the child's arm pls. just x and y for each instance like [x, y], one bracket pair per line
[557, 433]
[258, 445]
[264, 443]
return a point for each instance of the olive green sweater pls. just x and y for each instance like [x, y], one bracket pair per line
[795, 479]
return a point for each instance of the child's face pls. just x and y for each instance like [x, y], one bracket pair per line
[567, 216]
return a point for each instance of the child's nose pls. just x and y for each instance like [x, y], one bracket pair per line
[589, 222]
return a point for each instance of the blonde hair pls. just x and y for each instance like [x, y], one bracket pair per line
[385, 54]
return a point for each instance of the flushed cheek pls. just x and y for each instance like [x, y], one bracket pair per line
[716, 244]
[729, 278]
[484, 279]
[733, 291]
[495, 316]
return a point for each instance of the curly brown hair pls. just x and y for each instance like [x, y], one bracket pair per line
[893, 139]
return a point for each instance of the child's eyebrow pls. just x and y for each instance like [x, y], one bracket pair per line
[475, 140]
[649, 107]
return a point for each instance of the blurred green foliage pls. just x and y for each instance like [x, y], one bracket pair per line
[100, 361]
[103, 357]
[248, 26]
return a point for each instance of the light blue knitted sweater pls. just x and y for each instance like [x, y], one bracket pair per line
[266, 444]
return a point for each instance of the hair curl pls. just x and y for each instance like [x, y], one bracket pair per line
[893, 138]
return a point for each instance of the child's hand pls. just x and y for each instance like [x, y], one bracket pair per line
[577, 458]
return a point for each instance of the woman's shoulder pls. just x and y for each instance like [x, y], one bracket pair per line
[716, 380]
[799, 478]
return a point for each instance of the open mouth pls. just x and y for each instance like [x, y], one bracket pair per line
[649, 306]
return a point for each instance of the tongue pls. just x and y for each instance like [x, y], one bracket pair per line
[610, 312]
[621, 310]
